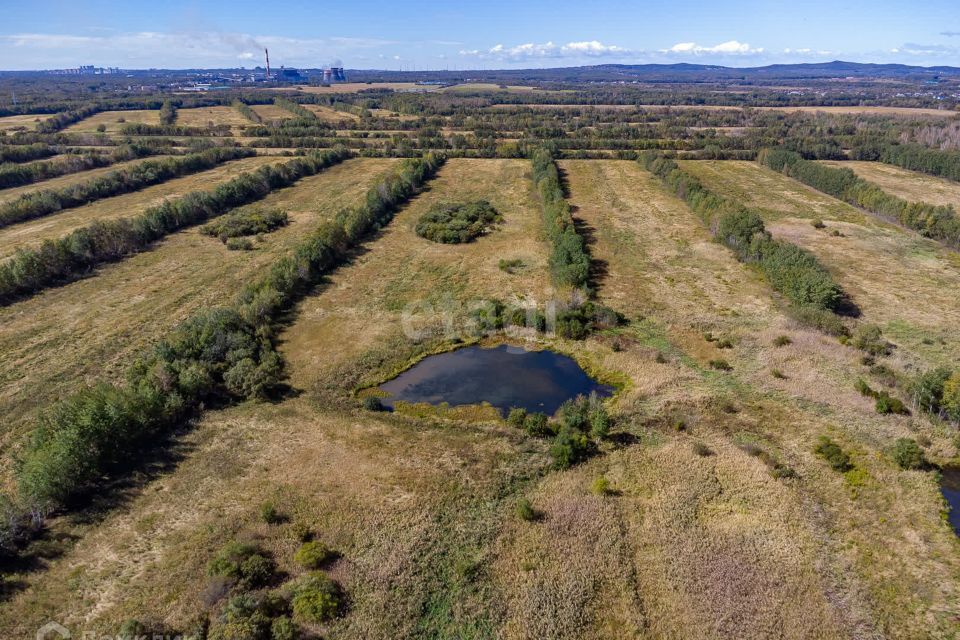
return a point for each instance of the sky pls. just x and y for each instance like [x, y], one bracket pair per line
[493, 34]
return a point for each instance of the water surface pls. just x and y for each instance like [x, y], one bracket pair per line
[950, 486]
[504, 376]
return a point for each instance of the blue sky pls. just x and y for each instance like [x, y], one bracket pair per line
[473, 35]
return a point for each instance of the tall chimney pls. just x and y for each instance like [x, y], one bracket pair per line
[267, 53]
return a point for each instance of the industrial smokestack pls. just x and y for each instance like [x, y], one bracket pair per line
[266, 52]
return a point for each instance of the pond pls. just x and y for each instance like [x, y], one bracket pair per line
[505, 376]
[950, 486]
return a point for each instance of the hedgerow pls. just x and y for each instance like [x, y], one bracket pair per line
[569, 261]
[933, 221]
[219, 355]
[246, 222]
[791, 270]
[15, 175]
[42, 203]
[30, 270]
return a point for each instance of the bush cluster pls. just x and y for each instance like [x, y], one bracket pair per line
[26, 152]
[569, 260]
[219, 355]
[933, 221]
[41, 203]
[457, 222]
[792, 271]
[245, 222]
[937, 392]
[830, 451]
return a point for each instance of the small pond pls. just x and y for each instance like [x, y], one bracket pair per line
[950, 486]
[504, 376]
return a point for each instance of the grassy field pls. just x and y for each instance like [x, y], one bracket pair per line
[66, 180]
[909, 185]
[209, 116]
[328, 114]
[115, 120]
[422, 509]
[91, 329]
[29, 122]
[271, 112]
[33, 232]
[901, 281]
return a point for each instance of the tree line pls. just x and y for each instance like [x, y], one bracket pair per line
[933, 221]
[37, 204]
[66, 118]
[936, 162]
[26, 152]
[168, 113]
[298, 110]
[244, 109]
[794, 272]
[56, 261]
[219, 355]
[569, 261]
[15, 175]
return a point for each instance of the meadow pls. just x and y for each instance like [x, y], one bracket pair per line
[705, 506]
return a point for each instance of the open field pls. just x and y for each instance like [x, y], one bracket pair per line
[898, 279]
[271, 112]
[422, 509]
[328, 114]
[28, 122]
[207, 116]
[912, 186]
[66, 180]
[115, 120]
[92, 329]
[33, 232]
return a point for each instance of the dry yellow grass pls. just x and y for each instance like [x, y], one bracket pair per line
[687, 546]
[909, 185]
[28, 121]
[328, 114]
[271, 112]
[901, 281]
[208, 116]
[32, 233]
[115, 120]
[90, 330]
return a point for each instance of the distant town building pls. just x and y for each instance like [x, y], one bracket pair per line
[334, 74]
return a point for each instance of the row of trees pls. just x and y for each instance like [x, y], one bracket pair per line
[937, 162]
[31, 270]
[168, 113]
[219, 355]
[15, 175]
[569, 260]
[26, 152]
[143, 129]
[933, 221]
[37, 204]
[298, 110]
[244, 109]
[791, 270]
[66, 118]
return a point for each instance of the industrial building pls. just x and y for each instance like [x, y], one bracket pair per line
[334, 74]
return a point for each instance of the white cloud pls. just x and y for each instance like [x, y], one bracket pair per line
[731, 47]
[534, 51]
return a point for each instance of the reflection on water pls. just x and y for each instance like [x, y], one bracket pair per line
[950, 486]
[504, 376]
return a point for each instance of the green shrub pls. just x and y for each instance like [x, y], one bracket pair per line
[511, 266]
[570, 447]
[239, 244]
[316, 598]
[720, 365]
[600, 486]
[525, 510]
[779, 375]
[245, 222]
[864, 389]
[517, 417]
[282, 628]
[887, 404]
[537, 425]
[313, 555]
[908, 454]
[833, 454]
[242, 619]
[782, 341]
[817, 223]
[373, 403]
[270, 514]
[458, 222]
[869, 338]
[244, 564]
